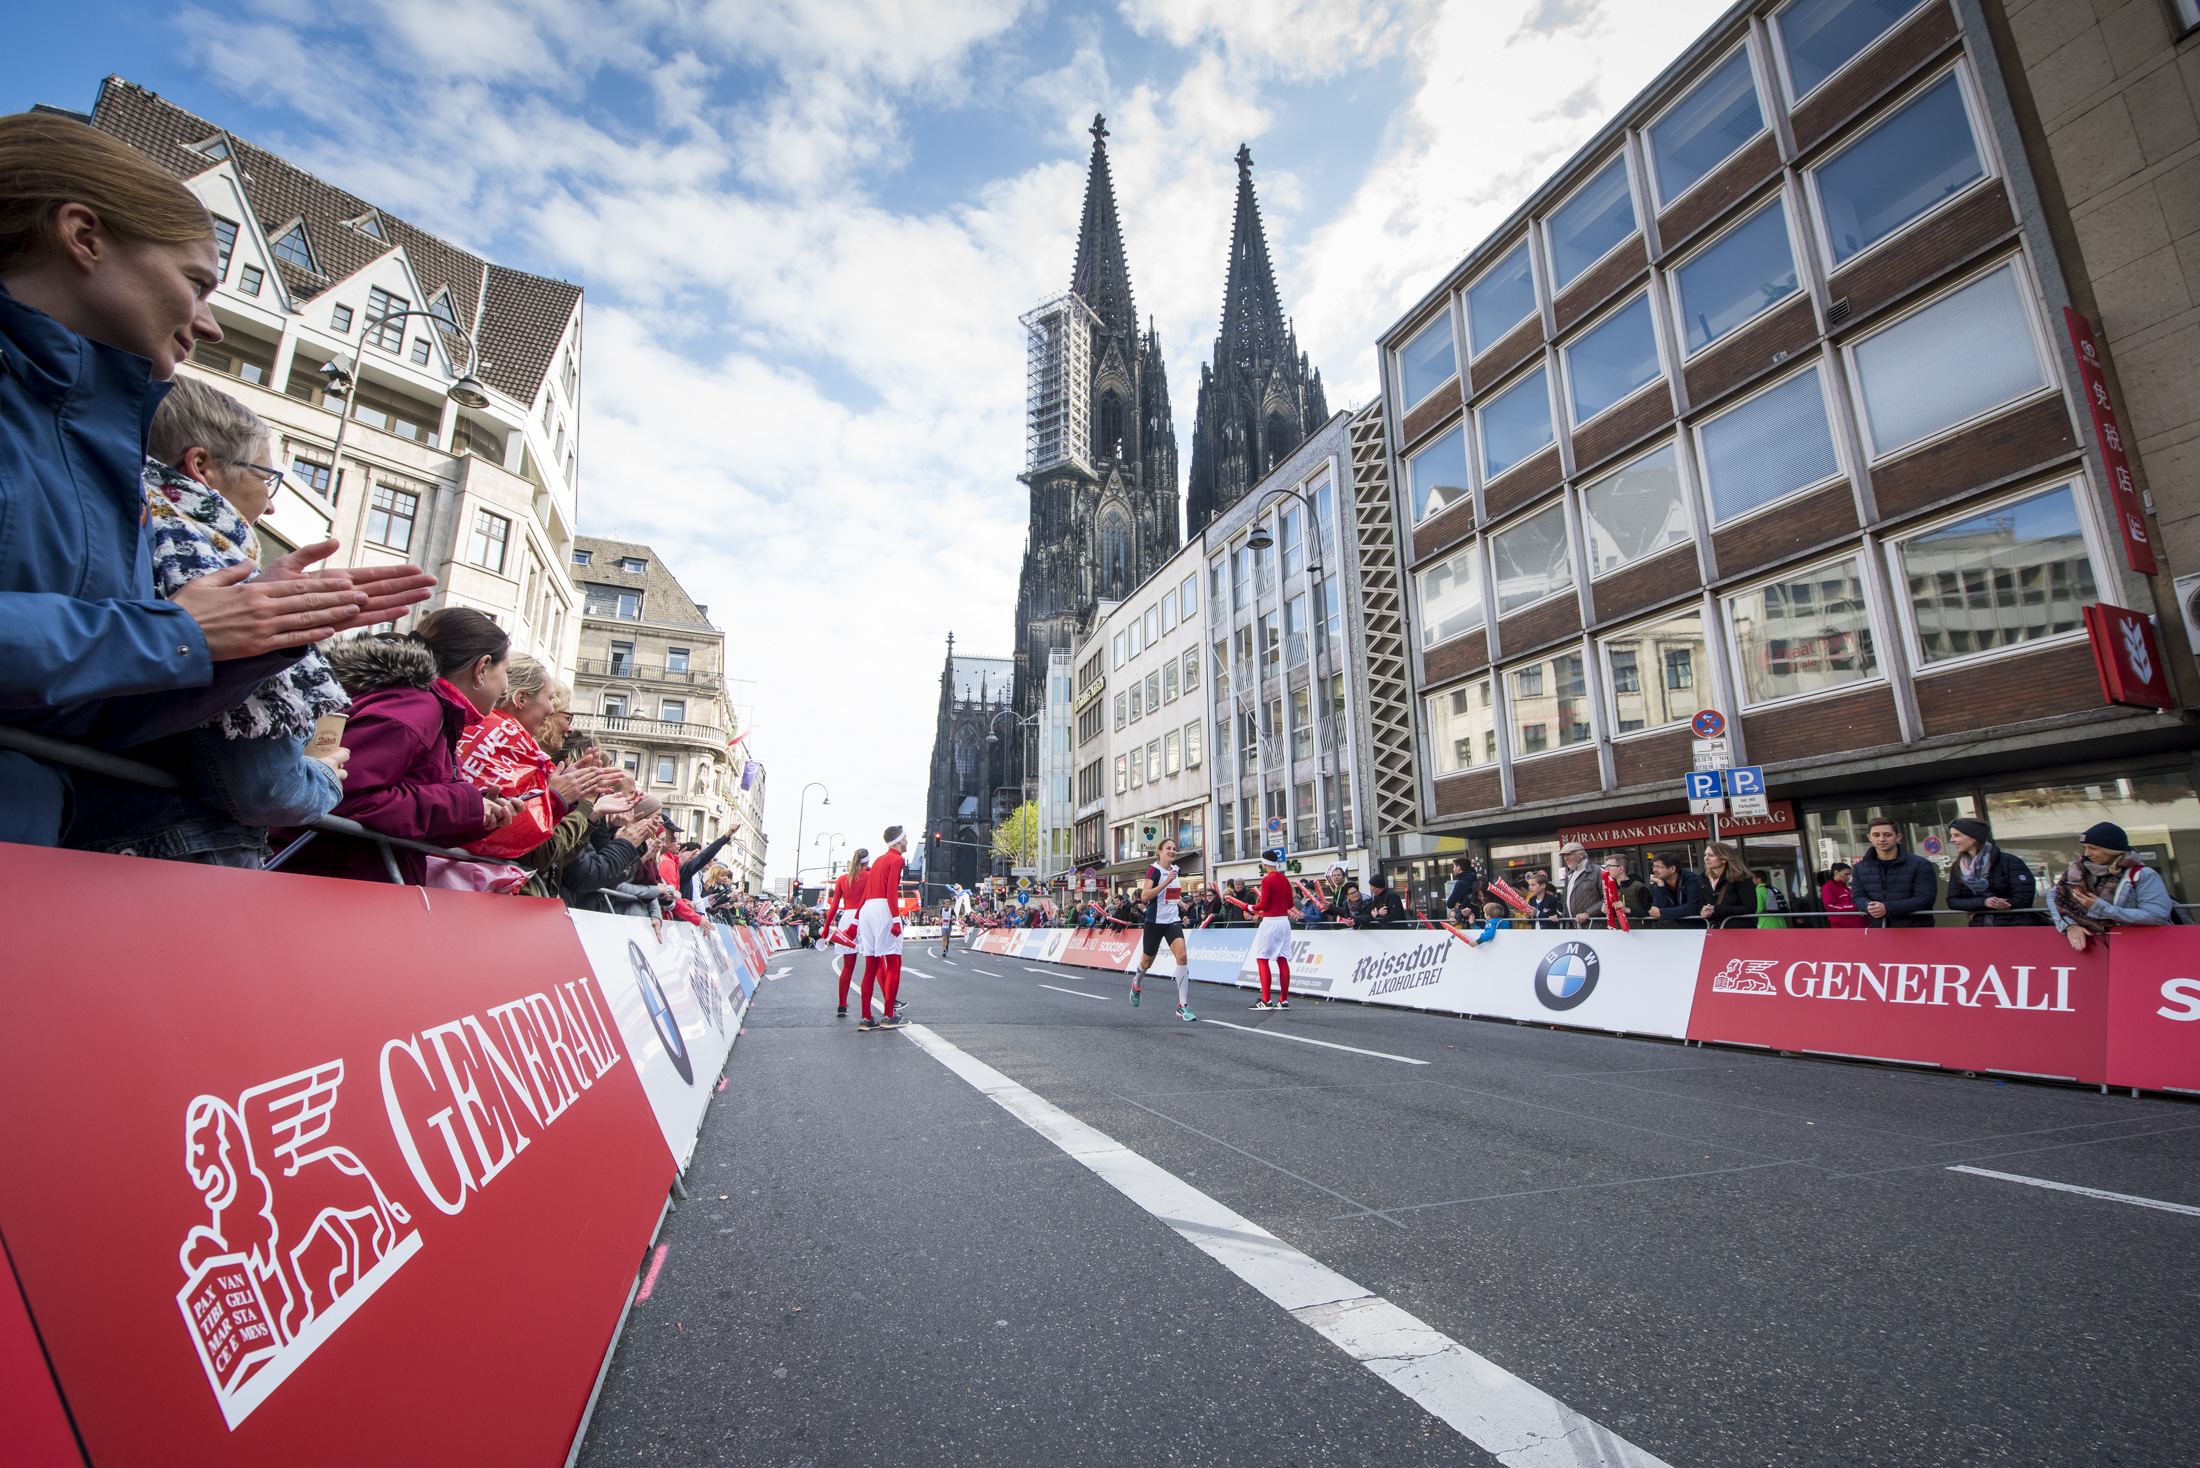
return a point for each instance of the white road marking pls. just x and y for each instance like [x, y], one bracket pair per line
[2041, 1182]
[1030, 970]
[781, 973]
[1325, 1044]
[1483, 1402]
[1078, 992]
[915, 973]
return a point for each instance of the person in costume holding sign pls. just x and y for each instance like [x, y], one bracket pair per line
[1272, 943]
[1162, 892]
[878, 931]
[840, 920]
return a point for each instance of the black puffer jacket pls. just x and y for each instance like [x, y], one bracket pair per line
[1907, 885]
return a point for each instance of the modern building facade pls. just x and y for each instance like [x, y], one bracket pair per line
[483, 495]
[1766, 403]
[1054, 771]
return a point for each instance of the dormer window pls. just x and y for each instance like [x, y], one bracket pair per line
[369, 226]
[633, 565]
[583, 557]
[440, 309]
[215, 147]
[292, 245]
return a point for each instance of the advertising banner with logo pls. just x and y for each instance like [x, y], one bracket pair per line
[1217, 954]
[748, 952]
[2015, 1000]
[1108, 948]
[677, 1005]
[2154, 1008]
[413, 1183]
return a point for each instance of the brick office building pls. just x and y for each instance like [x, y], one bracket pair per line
[1769, 405]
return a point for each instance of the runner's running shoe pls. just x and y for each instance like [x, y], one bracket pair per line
[1184, 1012]
[1136, 989]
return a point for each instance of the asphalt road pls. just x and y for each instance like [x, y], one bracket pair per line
[1723, 1257]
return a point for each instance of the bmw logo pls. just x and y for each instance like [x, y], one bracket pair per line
[1566, 976]
[660, 1013]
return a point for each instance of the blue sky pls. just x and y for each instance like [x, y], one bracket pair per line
[807, 227]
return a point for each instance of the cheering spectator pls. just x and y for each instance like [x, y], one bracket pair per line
[1634, 897]
[499, 753]
[1836, 898]
[1544, 904]
[1383, 907]
[1733, 901]
[1345, 906]
[1678, 894]
[1987, 882]
[2107, 886]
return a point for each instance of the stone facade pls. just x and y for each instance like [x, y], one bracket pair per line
[974, 784]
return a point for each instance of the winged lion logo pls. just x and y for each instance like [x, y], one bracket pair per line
[1745, 976]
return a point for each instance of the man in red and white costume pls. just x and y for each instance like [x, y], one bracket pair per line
[840, 920]
[878, 930]
[1272, 943]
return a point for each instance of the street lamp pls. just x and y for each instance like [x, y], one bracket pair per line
[800, 803]
[1261, 540]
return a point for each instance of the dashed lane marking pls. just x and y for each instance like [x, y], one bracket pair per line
[1078, 992]
[1482, 1401]
[2041, 1182]
[1325, 1044]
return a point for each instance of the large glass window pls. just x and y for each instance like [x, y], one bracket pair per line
[1191, 746]
[2016, 573]
[1302, 723]
[1294, 630]
[491, 534]
[1549, 704]
[1429, 360]
[1500, 301]
[1188, 594]
[1293, 526]
[1705, 128]
[1531, 560]
[1607, 363]
[1462, 725]
[1168, 612]
[1515, 424]
[1191, 670]
[1898, 170]
[1651, 673]
[385, 319]
[1588, 225]
[1819, 37]
[1768, 447]
[1805, 632]
[1328, 615]
[1966, 353]
[1748, 271]
[1451, 597]
[390, 517]
[1635, 511]
[1438, 474]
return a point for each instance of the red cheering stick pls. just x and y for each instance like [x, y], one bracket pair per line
[1504, 890]
[1240, 906]
[1612, 906]
[1462, 937]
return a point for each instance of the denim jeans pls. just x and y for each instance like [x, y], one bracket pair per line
[234, 790]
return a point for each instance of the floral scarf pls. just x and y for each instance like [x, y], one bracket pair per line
[195, 532]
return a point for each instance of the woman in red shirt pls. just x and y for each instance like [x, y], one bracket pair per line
[1272, 944]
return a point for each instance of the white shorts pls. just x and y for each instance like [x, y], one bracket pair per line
[876, 925]
[1274, 938]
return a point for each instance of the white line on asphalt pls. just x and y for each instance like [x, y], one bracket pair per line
[1482, 1401]
[1030, 970]
[781, 973]
[1325, 1044]
[1078, 992]
[916, 973]
[2041, 1182]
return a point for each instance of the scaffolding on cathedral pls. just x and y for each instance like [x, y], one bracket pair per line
[1058, 384]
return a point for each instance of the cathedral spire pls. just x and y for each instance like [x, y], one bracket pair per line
[1103, 276]
[1253, 334]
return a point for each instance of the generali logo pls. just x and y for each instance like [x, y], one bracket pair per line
[300, 1234]
[1947, 984]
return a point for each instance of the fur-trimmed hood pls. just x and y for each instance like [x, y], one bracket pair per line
[367, 665]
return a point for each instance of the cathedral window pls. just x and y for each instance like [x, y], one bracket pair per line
[1115, 559]
[1111, 426]
[1281, 440]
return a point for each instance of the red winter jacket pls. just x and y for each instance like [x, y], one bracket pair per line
[403, 776]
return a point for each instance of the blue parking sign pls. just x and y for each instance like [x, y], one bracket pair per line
[1703, 785]
[1746, 780]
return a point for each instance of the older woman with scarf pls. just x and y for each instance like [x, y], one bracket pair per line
[1987, 882]
[2107, 886]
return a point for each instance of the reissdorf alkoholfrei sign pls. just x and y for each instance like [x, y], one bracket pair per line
[311, 1171]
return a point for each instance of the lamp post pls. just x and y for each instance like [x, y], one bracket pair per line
[1261, 540]
[800, 810]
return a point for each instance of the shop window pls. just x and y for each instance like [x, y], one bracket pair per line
[1964, 355]
[1451, 596]
[1769, 447]
[1844, 834]
[1584, 229]
[1819, 37]
[1515, 424]
[1805, 633]
[1428, 361]
[2158, 812]
[1634, 512]
[1502, 299]
[1437, 475]
[1612, 360]
[1705, 128]
[1652, 671]
[1920, 156]
[1531, 560]
[1462, 724]
[1550, 712]
[1739, 276]
[2014, 574]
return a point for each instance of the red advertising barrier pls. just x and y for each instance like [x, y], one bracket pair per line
[312, 1171]
[1109, 948]
[2154, 1009]
[2014, 1000]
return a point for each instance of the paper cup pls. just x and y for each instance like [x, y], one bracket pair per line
[328, 734]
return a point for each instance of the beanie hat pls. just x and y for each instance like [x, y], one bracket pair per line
[1971, 827]
[2107, 834]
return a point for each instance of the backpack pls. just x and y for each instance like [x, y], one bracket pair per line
[1776, 900]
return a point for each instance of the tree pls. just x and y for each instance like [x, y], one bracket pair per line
[1017, 838]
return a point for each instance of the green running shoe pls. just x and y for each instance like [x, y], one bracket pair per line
[1184, 1012]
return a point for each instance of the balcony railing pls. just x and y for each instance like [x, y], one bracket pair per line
[622, 726]
[635, 670]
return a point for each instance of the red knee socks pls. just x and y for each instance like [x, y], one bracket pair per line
[872, 968]
[1263, 979]
[1283, 971]
[847, 973]
[893, 981]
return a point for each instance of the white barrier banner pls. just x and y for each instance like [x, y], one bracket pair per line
[675, 998]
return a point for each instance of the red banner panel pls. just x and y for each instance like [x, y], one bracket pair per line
[2015, 1000]
[2130, 518]
[312, 1171]
[2154, 1008]
[1110, 948]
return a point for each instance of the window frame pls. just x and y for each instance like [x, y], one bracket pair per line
[1677, 306]
[1535, 297]
[1508, 744]
[480, 537]
[2043, 350]
[1574, 338]
[411, 517]
[1491, 610]
[1466, 462]
[1445, 318]
[665, 707]
[1659, 203]
[2090, 529]
[1478, 468]
[1680, 473]
[1428, 715]
[1477, 548]
[1636, 627]
[1543, 224]
[1777, 39]
[1989, 157]
[250, 278]
[1875, 617]
[1843, 469]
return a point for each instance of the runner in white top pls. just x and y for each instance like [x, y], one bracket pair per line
[1162, 891]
